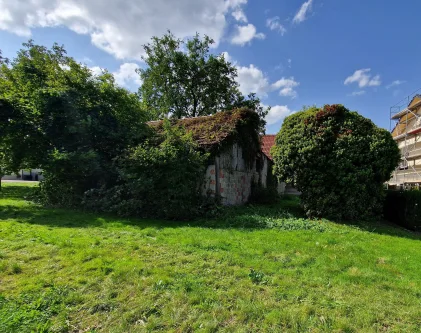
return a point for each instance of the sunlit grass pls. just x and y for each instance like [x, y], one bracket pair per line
[253, 269]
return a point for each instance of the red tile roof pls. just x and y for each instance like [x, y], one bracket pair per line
[268, 141]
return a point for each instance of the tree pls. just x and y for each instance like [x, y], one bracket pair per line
[252, 102]
[183, 79]
[65, 120]
[338, 159]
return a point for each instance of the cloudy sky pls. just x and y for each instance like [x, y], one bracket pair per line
[363, 54]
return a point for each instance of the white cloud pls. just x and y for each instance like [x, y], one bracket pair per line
[303, 11]
[277, 113]
[121, 27]
[363, 78]
[96, 70]
[245, 33]
[395, 83]
[358, 93]
[87, 60]
[228, 58]
[252, 79]
[126, 75]
[239, 15]
[274, 23]
[286, 86]
[235, 3]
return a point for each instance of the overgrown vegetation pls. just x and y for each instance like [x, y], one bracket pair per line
[59, 117]
[259, 268]
[156, 179]
[213, 134]
[404, 208]
[338, 159]
[89, 136]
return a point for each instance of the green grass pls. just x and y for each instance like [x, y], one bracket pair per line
[255, 269]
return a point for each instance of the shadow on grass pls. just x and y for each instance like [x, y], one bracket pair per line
[251, 217]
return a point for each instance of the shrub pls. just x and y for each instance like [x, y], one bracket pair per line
[263, 195]
[338, 159]
[404, 208]
[160, 178]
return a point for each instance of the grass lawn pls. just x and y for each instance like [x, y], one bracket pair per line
[256, 269]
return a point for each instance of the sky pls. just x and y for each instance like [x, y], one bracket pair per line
[359, 53]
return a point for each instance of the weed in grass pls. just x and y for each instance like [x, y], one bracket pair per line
[161, 285]
[16, 268]
[257, 277]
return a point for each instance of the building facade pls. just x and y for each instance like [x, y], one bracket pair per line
[407, 134]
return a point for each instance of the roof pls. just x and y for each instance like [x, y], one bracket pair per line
[268, 141]
[211, 131]
[417, 96]
[405, 116]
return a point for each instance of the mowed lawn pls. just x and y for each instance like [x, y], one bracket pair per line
[255, 269]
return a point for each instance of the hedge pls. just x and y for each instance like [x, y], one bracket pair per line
[404, 208]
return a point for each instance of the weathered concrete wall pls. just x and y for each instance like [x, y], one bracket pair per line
[230, 177]
[264, 173]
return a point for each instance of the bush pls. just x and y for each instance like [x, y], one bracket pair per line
[159, 179]
[263, 195]
[404, 208]
[338, 159]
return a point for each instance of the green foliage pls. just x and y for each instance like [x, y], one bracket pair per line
[256, 277]
[185, 83]
[61, 118]
[252, 102]
[263, 195]
[183, 79]
[156, 179]
[214, 133]
[404, 208]
[338, 159]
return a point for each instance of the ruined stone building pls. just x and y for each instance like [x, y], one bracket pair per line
[236, 161]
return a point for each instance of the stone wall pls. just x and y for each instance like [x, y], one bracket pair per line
[231, 178]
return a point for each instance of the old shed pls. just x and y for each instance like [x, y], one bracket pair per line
[237, 163]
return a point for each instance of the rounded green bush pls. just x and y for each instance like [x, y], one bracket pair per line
[338, 159]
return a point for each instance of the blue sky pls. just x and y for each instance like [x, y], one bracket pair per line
[363, 54]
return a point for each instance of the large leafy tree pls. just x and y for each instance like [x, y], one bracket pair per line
[64, 119]
[338, 159]
[183, 79]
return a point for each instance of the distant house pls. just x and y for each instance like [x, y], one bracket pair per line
[268, 141]
[407, 134]
[237, 162]
[27, 174]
